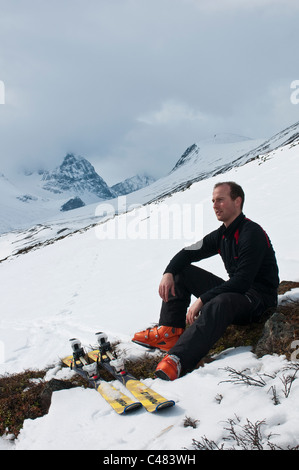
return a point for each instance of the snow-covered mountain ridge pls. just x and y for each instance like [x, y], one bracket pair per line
[76, 175]
[211, 157]
[31, 197]
[132, 184]
[38, 197]
[192, 152]
[82, 283]
[215, 157]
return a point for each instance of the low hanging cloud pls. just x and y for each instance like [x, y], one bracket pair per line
[130, 84]
[171, 112]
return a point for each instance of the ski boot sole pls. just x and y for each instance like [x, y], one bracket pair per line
[149, 347]
[161, 375]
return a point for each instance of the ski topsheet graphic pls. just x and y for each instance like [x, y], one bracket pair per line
[77, 362]
[150, 399]
[88, 366]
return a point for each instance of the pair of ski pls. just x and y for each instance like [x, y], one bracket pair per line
[87, 365]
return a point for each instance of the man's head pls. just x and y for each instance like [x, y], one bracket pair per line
[228, 200]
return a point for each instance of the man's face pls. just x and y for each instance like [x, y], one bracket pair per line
[226, 209]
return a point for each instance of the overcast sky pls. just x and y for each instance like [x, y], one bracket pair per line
[130, 84]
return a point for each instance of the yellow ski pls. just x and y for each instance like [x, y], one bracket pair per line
[116, 399]
[150, 399]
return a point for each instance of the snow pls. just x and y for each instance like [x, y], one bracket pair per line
[86, 283]
[69, 425]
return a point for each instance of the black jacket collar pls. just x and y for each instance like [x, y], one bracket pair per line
[230, 230]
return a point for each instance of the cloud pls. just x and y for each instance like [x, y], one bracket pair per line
[130, 84]
[171, 112]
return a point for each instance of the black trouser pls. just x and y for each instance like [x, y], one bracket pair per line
[215, 316]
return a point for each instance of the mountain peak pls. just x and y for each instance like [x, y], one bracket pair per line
[189, 153]
[76, 175]
[74, 165]
[71, 159]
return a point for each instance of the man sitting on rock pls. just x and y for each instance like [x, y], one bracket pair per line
[251, 265]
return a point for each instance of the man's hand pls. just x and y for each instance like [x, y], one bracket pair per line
[166, 286]
[194, 311]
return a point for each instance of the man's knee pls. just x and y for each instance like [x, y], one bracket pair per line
[221, 306]
[197, 280]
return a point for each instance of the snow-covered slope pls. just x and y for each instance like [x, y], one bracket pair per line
[37, 198]
[216, 156]
[105, 278]
[197, 152]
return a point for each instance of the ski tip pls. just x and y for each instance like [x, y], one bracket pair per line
[132, 407]
[165, 404]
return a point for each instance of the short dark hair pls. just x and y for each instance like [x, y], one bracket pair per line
[235, 190]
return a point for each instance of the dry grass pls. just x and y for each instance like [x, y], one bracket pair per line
[19, 399]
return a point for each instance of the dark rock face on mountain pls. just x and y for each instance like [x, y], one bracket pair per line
[78, 176]
[187, 155]
[73, 203]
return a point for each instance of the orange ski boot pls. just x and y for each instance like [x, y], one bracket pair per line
[169, 368]
[161, 337]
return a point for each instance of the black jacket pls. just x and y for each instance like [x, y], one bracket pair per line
[247, 254]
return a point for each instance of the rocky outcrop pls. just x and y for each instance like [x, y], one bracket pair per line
[277, 337]
[281, 329]
[53, 385]
[73, 203]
